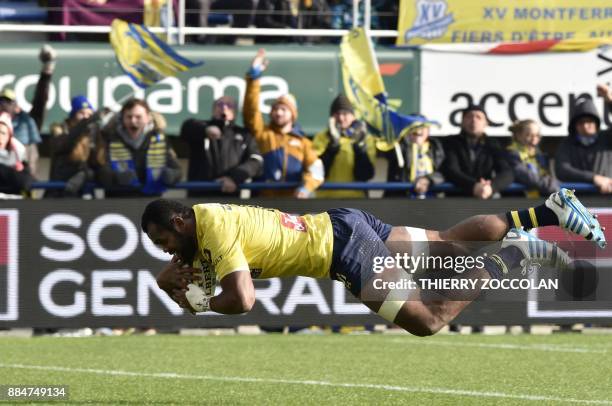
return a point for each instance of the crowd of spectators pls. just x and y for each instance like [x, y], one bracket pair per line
[323, 14]
[20, 130]
[128, 153]
[308, 14]
[220, 150]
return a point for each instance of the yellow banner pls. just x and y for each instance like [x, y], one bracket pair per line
[464, 21]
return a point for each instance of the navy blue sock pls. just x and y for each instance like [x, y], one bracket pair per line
[533, 217]
[498, 265]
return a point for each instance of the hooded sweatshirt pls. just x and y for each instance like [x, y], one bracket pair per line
[577, 161]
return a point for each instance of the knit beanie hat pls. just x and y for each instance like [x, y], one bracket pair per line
[289, 101]
[79, 103]
[476, 107]
[341, 102]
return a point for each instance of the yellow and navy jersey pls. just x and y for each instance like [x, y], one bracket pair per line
[267, 242]
[529, 166]
[343, 167]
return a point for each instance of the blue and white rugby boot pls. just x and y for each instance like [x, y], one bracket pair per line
[537, 253]
[573, 216]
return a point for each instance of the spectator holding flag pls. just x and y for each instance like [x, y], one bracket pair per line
[132, 154]
[348, 152]
[416, 158]
[288, 154]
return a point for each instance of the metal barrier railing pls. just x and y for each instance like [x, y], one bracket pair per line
[387, 186]
[181, 30]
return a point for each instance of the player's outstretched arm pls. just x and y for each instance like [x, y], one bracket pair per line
[238, 295]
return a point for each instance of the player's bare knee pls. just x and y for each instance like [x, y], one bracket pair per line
[430, 327]
[243, 302]
[418, 320]
[434, 326]
[247, 302]
[421, 328]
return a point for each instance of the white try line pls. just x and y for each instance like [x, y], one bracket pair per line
[502, 346]
[411, 389]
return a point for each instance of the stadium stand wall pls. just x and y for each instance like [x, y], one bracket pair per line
[73, 263]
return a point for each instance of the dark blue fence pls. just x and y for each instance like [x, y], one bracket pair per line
[390, 186]
[28, 11]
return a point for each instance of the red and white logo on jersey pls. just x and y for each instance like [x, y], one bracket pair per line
[293, 222]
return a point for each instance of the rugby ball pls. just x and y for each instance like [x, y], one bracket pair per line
[200, 291]
[197, 298]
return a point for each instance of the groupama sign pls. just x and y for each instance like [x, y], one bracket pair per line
[171, 97]
[312, 74]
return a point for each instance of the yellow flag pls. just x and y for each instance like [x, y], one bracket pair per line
[362, 81]
[357, 52]
[365, 89]
[143, 56]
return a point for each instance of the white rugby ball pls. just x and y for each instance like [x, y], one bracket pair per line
[195, 295]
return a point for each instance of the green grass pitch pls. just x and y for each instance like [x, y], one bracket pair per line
[336, 369]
